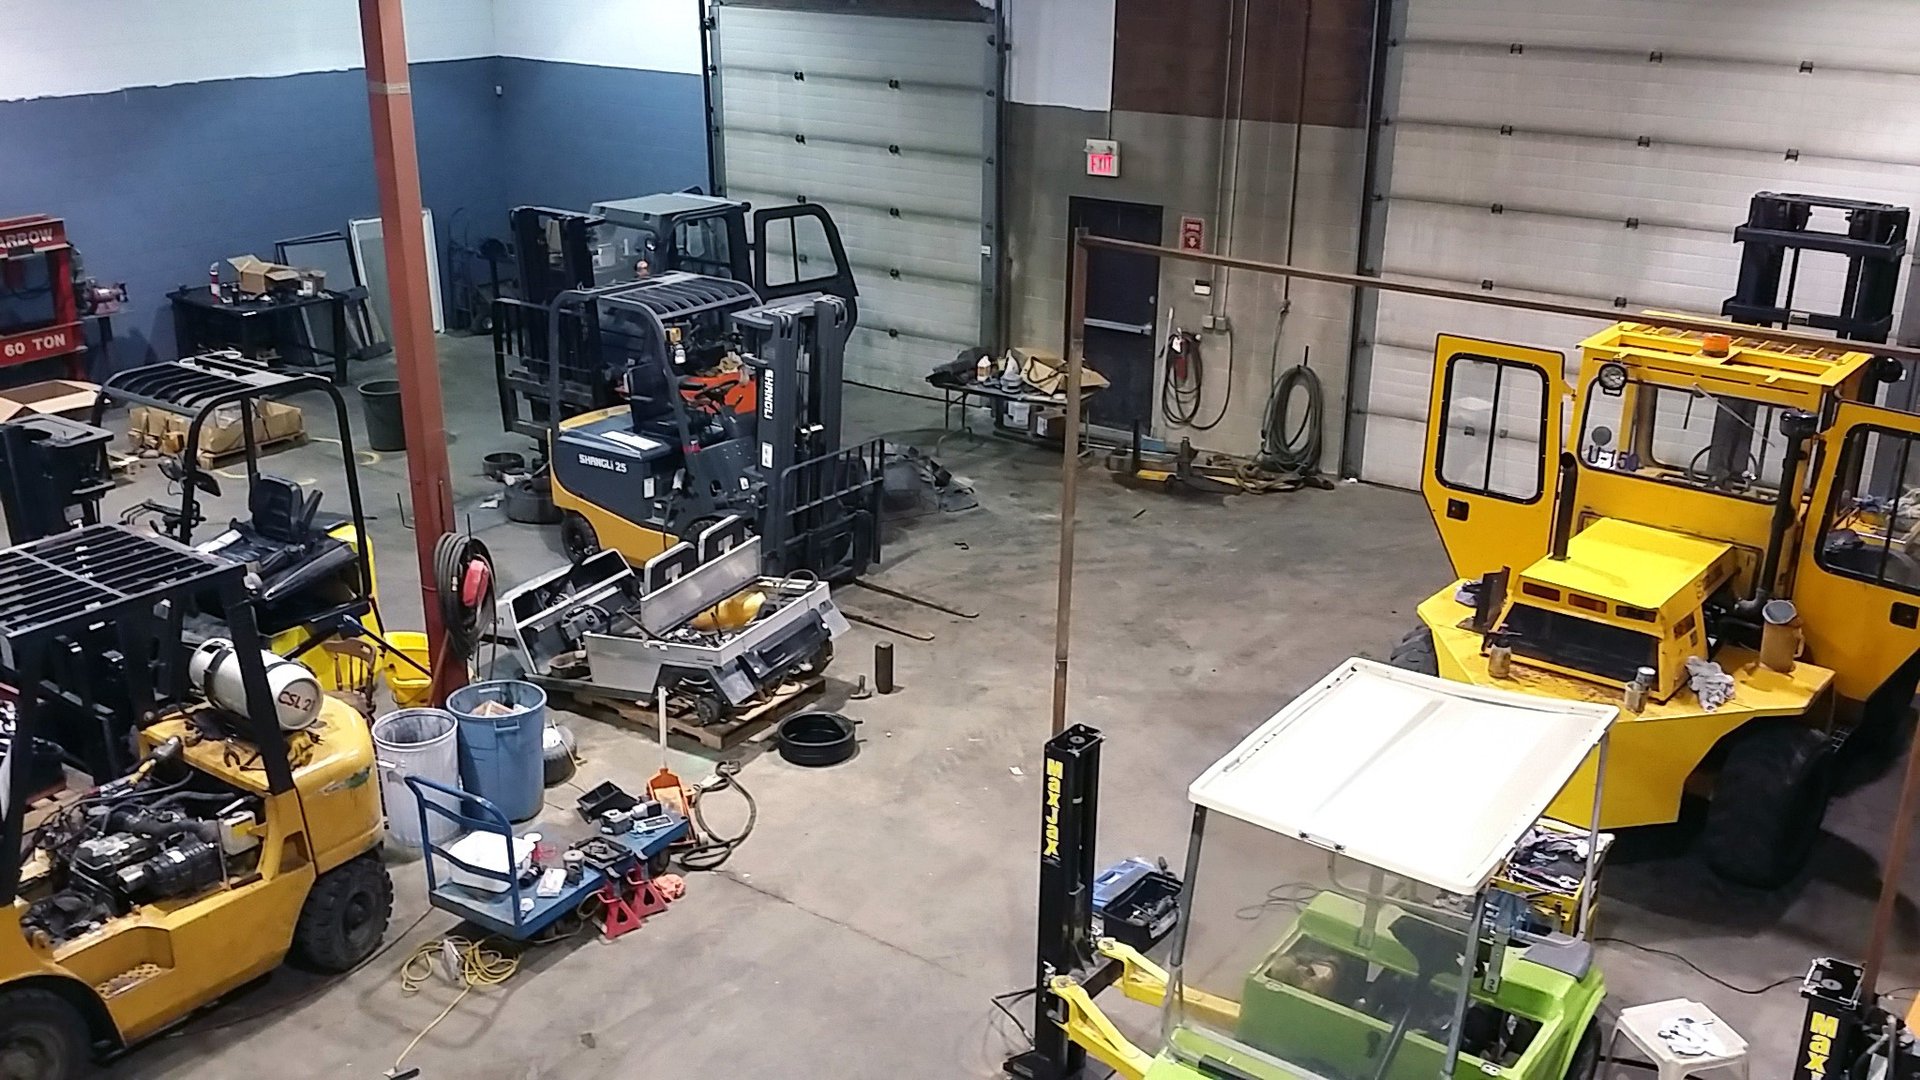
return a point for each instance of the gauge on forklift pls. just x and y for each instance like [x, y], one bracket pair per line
[1612, 378]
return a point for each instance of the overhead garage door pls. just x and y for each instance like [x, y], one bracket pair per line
[888, 122]
[1602, 152]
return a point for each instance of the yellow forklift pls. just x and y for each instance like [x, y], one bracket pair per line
[1729, 547]
[245, 830]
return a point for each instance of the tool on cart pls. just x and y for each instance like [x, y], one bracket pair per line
[206, 839]
[1729, 546]
[315, 568]
[1324, 932]
[46, 296]
[599, 628]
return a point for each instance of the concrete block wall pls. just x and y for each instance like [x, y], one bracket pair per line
[187, 131]
[1171, 159]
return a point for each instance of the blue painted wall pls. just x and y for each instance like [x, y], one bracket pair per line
[157, 182]
[580, 133]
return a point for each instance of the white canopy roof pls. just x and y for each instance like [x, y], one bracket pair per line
[1425, 778]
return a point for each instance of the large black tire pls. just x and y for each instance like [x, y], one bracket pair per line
[1585, 1064]
[345, 915]
[1416, 652]
[1768, 804]
[42, 1037]
[577, 537]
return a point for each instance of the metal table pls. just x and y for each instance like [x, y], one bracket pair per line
[257, 325]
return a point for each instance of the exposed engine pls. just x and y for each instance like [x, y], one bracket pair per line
[138, 840]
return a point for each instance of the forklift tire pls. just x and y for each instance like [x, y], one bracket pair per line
[1768, 804]
[42, 1037]
[1416, 652]
[1585, 1064]
[345, 915]
[577, 537]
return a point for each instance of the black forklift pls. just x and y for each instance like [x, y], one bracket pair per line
[671, 387]
[314, 569]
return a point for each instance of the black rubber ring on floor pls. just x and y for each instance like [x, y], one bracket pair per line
[816, 738]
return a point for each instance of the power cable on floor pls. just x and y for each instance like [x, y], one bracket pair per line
[1000, 1002]
[1703, 972]
[476, 963]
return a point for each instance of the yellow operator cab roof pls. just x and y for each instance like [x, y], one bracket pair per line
[1630, 563]
[1751, 356]
[1427, 778]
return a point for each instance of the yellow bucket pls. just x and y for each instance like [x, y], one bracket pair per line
[408, 685]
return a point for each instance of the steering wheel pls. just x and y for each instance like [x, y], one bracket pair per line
[714, 392]
[1735, 482]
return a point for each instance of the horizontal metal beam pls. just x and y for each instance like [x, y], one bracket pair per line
[1698, 324]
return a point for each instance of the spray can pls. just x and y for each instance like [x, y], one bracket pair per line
[213, 282]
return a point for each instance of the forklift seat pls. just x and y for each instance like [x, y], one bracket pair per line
[283, 512]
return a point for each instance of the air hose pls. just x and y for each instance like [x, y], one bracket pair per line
[709, 850]
[463, 580]
[1287, 450]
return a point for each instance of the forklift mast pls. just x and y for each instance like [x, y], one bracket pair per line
[553, 251]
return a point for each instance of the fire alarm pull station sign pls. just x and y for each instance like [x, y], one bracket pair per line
[1103, 157]
[1193, 234]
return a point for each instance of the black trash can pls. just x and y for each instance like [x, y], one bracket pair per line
[380, 401]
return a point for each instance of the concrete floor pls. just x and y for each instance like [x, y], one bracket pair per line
[879, 904]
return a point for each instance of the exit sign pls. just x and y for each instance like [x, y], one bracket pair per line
[1103, 157]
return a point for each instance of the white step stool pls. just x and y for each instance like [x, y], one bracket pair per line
[1641, 1025]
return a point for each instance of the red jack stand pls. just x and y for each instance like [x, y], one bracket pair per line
[631, 911]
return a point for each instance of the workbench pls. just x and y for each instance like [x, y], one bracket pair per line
[304, 333]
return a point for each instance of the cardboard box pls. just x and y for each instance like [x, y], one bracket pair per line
[54, 397]
[158, 429]
[259, 277]
[1047, 372]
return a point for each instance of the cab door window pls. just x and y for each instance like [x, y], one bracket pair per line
[1494, 426]
[1872, 528]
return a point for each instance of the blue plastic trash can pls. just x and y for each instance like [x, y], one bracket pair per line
[500, 756]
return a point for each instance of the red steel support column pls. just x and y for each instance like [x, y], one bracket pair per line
[396, 168]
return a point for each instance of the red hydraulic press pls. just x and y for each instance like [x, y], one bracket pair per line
[45, 295]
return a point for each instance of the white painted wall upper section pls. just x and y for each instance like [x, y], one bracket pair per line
[1062, 53]
[648, 35]
[116, 44]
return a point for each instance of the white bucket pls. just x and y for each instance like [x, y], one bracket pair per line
[423, 743]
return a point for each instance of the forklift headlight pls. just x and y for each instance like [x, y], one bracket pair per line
[1613, 378]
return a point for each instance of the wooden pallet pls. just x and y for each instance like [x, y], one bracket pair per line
[753, 723]
[239, 453]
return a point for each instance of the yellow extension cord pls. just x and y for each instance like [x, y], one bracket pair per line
[479, 965]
